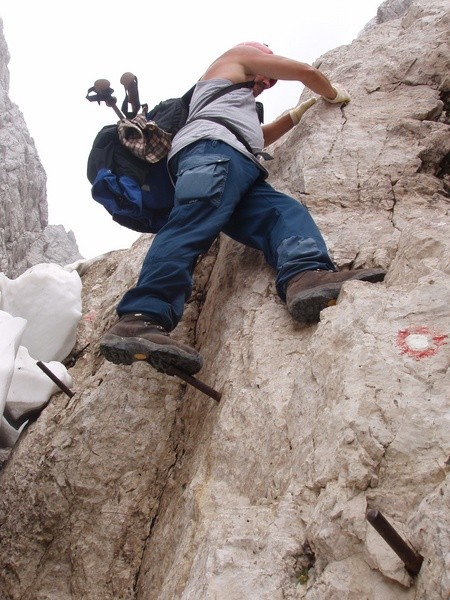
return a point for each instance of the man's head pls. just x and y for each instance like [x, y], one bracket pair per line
[264, 48]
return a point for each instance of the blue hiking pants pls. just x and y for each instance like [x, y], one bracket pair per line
[219, 189]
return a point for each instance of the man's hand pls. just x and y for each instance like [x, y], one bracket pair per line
[297, 113]
[342, 96]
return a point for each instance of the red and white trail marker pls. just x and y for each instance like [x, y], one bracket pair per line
[420, 342]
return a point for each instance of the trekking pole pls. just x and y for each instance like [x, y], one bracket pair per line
[130, 83]
[102, 92]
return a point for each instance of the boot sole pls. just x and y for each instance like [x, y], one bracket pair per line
[306, 307]
[126, 350]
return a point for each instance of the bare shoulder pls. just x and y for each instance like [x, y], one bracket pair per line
[230, 65]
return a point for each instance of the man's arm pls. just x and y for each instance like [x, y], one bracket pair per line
[274, 130]
[241, 63]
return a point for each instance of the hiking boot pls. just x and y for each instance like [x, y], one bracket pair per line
[311, 291]
[136, 337]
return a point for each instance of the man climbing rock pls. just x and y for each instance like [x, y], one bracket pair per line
[220, 186]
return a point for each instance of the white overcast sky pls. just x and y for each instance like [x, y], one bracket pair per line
[59, 49]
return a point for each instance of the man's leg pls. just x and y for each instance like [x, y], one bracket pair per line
[292, 244]
[211, 179]
[283, 229]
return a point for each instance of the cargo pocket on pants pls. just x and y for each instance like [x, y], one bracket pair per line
[201, 178]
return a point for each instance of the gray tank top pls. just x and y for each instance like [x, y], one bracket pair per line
[236, 107]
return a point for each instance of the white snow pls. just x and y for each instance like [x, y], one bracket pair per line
[39, 314]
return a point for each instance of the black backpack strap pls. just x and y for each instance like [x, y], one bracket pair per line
[230, 127]
[236, 134]
[187, 96]
[226, 90]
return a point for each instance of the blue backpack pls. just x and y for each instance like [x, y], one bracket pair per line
[138, 194]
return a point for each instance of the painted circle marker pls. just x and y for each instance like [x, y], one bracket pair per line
[420, 342]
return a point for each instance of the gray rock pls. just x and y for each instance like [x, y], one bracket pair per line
[142, 487]
[24, 239]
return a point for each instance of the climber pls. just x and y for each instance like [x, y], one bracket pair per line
[221, 187]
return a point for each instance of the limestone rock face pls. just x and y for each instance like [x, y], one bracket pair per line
[60, 245]
[141, 487]
[24, 239]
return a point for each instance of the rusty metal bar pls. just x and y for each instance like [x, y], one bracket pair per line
[411, 559]
[209, 391]
[55, 379]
